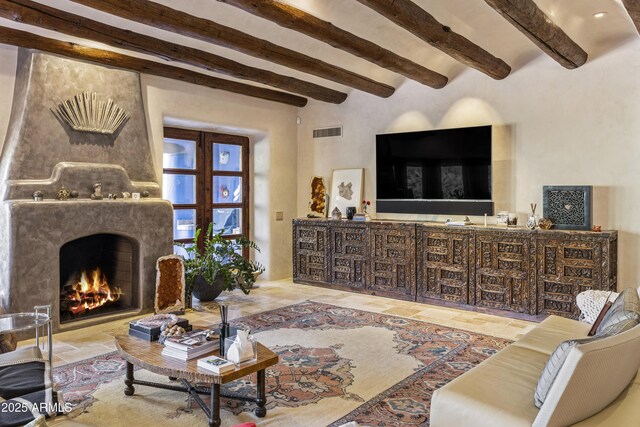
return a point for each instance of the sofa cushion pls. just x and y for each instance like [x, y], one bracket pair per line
[21, 355]
[497, 392]
[551, 332]
[624, 411]
[623, 315]
[593, 375]
[553, 366]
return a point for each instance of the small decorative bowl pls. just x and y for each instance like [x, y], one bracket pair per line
[545, 223]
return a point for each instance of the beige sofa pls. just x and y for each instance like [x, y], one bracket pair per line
[500, 391]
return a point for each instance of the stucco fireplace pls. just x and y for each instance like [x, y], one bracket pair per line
[54, 250]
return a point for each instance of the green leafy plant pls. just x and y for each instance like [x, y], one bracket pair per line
[221, 259]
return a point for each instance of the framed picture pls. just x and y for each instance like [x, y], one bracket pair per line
[346, 189]
[568, 207]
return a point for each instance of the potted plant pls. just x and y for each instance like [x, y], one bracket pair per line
[220, 265]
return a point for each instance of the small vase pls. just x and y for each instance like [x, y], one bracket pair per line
[532, 222]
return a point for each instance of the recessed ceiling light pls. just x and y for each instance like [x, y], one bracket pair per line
[599, 14]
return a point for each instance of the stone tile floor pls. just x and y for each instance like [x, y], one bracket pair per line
[72, 346]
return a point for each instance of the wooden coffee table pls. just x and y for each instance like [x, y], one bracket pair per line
[147, 355]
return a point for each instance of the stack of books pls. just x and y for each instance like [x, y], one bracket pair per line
[190, 345]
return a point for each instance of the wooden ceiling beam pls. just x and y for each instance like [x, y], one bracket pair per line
[295, 19]
[536, 25]
[163, 17]
[32, 13]
[104, 57]
[416, 20]
[633, 8]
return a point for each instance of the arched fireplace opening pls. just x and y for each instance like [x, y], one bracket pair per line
[98, 276]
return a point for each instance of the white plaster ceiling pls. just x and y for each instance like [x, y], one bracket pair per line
[473, 19]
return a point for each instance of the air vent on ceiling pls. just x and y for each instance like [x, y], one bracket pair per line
[327, 132]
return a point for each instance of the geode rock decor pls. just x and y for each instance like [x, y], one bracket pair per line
[568, 207]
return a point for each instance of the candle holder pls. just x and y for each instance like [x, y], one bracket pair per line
[224, 327]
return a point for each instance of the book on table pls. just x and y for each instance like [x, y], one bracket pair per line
[189, 345]
[190, 340]
[216, 364]
[189, 354]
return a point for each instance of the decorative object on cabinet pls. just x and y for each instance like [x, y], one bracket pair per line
[545, 223]
[351, 211]
[346, 188]
[318, 202]
[336, 214]
[568, 207]
[502, 218]
[532, 221]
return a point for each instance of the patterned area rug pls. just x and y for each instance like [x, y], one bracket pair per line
[336, 365]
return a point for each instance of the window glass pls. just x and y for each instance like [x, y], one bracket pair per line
[179, 189]
[227, 157]
[184, 223]
[227, 189]
[179, 154]
[229, 219]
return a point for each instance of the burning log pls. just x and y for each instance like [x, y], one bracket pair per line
[89, 292]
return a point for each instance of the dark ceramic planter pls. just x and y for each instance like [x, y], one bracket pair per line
[205, 291]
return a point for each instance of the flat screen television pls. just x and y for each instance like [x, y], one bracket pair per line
[444, 171]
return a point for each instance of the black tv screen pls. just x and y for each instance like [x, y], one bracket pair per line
[437, 165]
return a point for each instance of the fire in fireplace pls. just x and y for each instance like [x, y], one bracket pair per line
[89, 292]
[97, 276]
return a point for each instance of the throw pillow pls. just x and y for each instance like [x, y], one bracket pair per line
[623, 314]
[553, 366]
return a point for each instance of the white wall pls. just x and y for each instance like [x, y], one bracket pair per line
[556, 126]
[270, 126]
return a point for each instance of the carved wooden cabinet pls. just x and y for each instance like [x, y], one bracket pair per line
[392, 260]
[502, 277]
[349, 248]
[524, 271]
[443, 258]
[568, 265]
[310, 252]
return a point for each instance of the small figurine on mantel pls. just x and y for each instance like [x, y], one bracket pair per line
[63, 193]
[97, 191]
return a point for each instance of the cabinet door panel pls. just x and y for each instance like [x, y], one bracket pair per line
[310, 253]
[349, 253]
[565, 268]
[443, 264]
[392, 262]
[503, 272]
